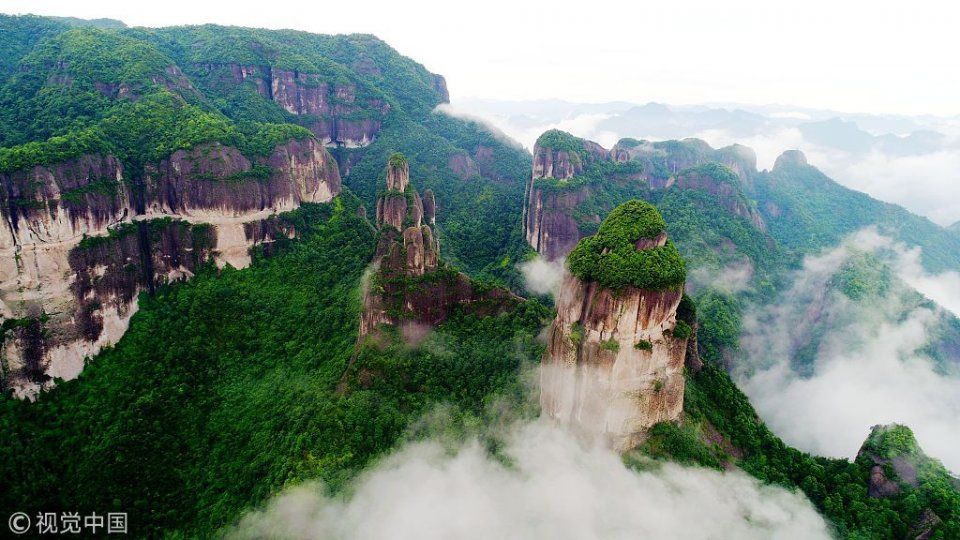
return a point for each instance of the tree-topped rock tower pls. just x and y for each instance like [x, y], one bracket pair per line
[616, 349]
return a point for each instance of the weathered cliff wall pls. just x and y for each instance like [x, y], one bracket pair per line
[598, 374]
[721, 185]
[550, 226]
[80, 239]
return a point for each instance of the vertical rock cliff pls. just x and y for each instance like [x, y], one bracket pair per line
[616, 349]
[80, 239]
[409, 288]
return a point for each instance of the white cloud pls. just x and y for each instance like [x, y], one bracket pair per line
[767, 144]
[548, 486]
[928, 184]
[944, 288]
[729, 279]
[869, 368]
[526, 130]
[542, 276]
[494, 128]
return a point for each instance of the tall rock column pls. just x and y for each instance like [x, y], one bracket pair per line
[616, 349]
[407, 247]
[408, 290]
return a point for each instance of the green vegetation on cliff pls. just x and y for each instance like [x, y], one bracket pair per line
[805, 210]
[100, 91]
[397, 160]
[611, 258]
[199, 413]
[560, 141]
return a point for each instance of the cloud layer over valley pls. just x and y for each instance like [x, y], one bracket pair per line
[544, 484]
[821, 365]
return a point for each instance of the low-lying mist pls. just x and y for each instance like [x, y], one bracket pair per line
[872, 365]
[542, 483]
[542, 276]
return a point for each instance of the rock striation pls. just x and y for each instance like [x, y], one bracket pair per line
[80, 239]
[568, 173]
[615, 356]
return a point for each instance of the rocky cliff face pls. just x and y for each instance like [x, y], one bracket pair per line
[565, 162]
[568, 172]
[215, 182]
[548, 216]
[615, 357]
[551, 228]
[80, 239]
[337, 112]
[722, 184]
[56, 203]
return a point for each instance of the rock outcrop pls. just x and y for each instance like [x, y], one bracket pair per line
[897, 465]
[569, 172]
[722, 184]
[409, 284]
[894, 458]
[558, 159]
[615, 356]
[81, 238]
[790, 158]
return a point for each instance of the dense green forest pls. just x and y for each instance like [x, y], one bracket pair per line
[201, 411]
[806, 210]
[610, 258]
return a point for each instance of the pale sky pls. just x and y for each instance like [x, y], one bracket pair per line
[878, 56]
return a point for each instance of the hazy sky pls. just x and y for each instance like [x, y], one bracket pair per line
[877, 56]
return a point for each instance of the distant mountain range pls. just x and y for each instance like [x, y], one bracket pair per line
[911, 161]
